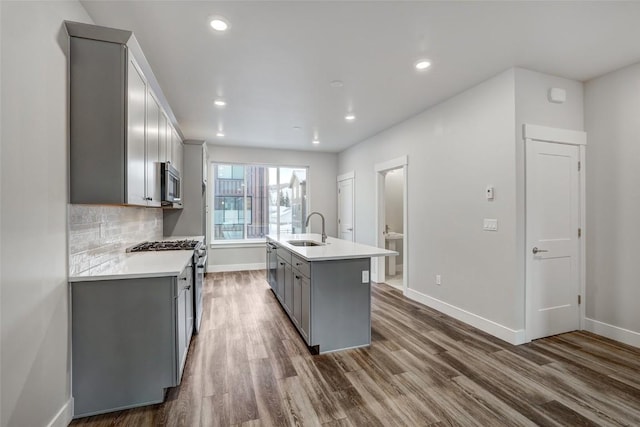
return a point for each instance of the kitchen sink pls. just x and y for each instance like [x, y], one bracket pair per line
[304, 243]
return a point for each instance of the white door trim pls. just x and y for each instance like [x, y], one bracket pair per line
[549, 134]
[377, 264]
[344, 177]
[561, 136]
[348, 175]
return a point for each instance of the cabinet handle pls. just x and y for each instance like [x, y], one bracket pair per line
[297, 264]
[183, 278]
[282, 263]
[187, 287]
[297, 277]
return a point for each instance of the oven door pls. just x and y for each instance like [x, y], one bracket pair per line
[199, 271]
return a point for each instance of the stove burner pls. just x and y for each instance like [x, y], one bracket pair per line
[169, 245]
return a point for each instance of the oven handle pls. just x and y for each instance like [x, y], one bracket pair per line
[202, 262]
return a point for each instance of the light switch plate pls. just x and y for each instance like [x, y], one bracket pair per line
[490, 224]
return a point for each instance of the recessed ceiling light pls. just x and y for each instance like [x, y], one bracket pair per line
[220, 102]
[422, 64]
[220, 134]
[316, 141]
[350, 117]
[336, 83]
[219, 24]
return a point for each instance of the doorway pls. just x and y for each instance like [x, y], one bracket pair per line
[391, 223]
[554, 226]
[346, 205]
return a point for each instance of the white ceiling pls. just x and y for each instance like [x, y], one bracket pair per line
[274, 65]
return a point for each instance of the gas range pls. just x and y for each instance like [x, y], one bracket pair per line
[167, 245]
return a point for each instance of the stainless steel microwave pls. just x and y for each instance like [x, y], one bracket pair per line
[170, 184]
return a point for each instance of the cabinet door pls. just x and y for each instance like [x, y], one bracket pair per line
[305, 308]
[189, 311]
[280, 279]
[153, 151]
[135, 162]
[162, 137]
[181, 328]
[288, 288]
[169, 136]
[297, 297]
[177, 152]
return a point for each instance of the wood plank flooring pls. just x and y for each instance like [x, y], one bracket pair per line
[249, 367]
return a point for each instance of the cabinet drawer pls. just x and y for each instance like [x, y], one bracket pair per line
[301, 265]
[285, 255]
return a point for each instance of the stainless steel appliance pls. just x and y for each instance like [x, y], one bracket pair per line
[199, 266]
[169, 184]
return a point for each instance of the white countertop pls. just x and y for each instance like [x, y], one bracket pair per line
[138, 265]
[333, 249]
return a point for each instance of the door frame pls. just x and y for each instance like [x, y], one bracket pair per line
[377, 264]
[348, 175]
[533, 133]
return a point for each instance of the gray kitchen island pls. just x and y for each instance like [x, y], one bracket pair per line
[324, 287]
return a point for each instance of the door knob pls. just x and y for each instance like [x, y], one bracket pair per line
[536, 250]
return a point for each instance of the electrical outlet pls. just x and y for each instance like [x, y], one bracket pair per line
[365, 276]
[438, 279]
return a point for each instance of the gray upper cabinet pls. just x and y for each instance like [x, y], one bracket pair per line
[177, 151]
[152, 155]
[135, 137]
[162, 137]
[118, 127]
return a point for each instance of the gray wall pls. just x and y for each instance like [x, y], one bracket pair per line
[322, 192]
[612, 111]
[35, 362]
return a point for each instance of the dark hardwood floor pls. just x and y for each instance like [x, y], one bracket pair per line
[248, 366]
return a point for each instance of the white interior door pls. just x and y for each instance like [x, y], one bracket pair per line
[345, 209]
[553, 221]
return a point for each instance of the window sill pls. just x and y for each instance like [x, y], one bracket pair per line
[258, 243]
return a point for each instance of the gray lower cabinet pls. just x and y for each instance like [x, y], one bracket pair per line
[326, 300]
[130, 339]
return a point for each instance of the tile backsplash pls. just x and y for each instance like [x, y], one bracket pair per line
[98, 235]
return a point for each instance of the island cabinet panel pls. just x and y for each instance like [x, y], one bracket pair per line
[340, 304]
[325, 299]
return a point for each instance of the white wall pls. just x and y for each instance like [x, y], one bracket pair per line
[612, 111]
[322, 191]
[454, 150]
[35, 311]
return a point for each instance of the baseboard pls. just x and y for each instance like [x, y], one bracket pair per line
[64, 415]
[509, 335]
[235, 267]
[616, 333]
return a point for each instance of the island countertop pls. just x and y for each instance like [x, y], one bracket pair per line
[333, 249]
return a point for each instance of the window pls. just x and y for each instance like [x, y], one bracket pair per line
[251, 201]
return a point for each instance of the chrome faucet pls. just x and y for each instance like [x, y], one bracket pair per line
[324, 235]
